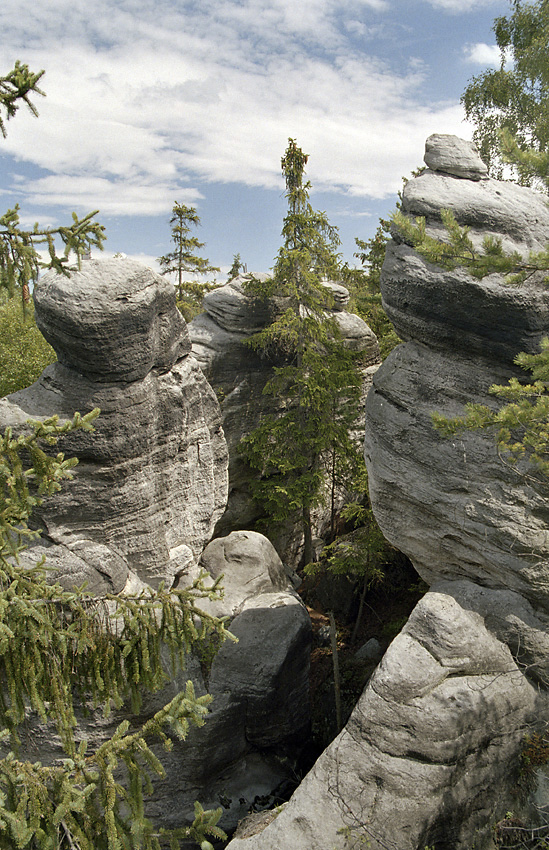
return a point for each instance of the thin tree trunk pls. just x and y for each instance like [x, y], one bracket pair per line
[333, 511]
[308, 554]
[337, 683]
[361, 605]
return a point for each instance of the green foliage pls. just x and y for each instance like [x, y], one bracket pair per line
[59, 649]
[183, 260]
[236, 267]
[456, 249]
[521, 425]
[364, 287]
[318, 387]
[20, 258]
[361, 553]
[17, 85]
[514, 97]
[292, 449]
[24, 353]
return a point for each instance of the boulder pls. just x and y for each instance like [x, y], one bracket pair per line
[260, 711]
[431, 754]
[427, 748]
[452, 155]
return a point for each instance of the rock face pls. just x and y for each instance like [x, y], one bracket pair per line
[238, 376]
[149, 487]
[152, 478]
[431, 753]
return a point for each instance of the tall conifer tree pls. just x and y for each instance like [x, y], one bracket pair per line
[317, 389]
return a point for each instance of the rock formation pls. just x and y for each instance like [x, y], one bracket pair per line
[431, 753]
[238, 375]
[149, 487]
[152, 478]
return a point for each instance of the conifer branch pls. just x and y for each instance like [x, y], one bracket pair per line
[16, 86]
[60, 648]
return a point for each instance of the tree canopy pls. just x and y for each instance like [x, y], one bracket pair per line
[509, 105]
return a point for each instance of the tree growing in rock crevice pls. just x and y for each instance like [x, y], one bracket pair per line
[318, 387]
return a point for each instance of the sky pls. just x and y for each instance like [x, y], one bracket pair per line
[193, 101]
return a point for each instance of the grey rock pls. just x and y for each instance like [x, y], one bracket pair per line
[229, 307]
[461, 511]
[152, 478]
[453, 155]
[81, 562]
[429, 754]
[340, 294]
[516, 215]
[249, 565]
[140, 331]
[369, 651]
[425, 753]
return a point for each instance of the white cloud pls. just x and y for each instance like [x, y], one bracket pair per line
[143, 100]
[483, 54]
[461, 6]
[112, 197]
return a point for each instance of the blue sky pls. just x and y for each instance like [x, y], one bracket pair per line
[149, 103]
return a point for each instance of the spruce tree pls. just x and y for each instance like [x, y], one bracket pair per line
[20, 262]
[236, 267]
[318, 387]
[184, 260]
[60, 650]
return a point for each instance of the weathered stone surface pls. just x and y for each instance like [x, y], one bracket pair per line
[259, 687]
[249, 565]
[455, 156]
[516, 215]
[140, 331]
[427, 748]
[152, 478]
[150, 484]
[431, 752]
[229, 307]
